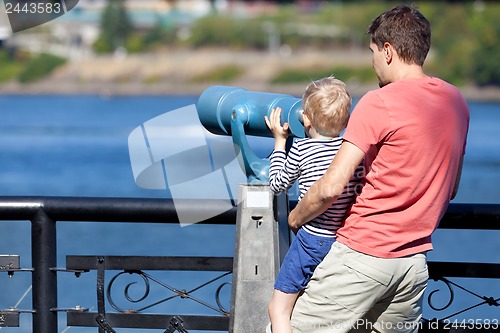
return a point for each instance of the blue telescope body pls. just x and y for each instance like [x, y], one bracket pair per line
[217, 104]
[238, 112]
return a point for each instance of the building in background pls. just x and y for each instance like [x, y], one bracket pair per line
[73, 34]
[5, 30]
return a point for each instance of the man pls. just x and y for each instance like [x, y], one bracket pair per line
[411, 134]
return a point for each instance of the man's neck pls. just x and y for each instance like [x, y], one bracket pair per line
[406, 71]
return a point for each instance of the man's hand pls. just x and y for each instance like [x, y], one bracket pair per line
[280, 133]
[294, 229]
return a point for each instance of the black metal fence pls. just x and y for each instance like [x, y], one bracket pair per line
[45, 212]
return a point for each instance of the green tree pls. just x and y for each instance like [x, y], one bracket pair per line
[116, 27]
[452, 41]
[39, 67]
[486, 69]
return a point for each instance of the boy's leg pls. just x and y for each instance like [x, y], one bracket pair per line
[280, 311]
[304, 254]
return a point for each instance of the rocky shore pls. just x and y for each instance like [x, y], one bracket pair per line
[175, 72]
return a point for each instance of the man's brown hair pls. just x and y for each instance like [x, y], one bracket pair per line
[406, 29]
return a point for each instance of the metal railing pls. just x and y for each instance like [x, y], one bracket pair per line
[45, 212]
[464, 217]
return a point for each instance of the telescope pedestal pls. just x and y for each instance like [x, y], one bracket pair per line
[262, 239]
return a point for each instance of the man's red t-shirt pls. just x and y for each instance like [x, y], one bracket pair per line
[413, 133]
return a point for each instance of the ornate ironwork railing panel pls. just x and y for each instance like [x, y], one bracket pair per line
[45, 212]
[136, 266]
[442, 272]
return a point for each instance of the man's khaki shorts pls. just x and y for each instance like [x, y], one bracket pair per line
[352, 291]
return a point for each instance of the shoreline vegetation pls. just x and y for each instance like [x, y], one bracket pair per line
[190, 72]
[258, 47]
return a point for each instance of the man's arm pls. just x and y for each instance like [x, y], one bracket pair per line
[328, 188]
[457, 180]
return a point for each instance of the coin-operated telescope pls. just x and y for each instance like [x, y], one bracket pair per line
[239, 112]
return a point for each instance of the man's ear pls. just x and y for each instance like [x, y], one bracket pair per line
[388, 52]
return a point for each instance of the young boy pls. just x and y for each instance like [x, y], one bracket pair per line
[326, 104]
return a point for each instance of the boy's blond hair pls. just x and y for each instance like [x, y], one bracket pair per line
[327, 103]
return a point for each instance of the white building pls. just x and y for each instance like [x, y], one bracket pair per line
[5, 30]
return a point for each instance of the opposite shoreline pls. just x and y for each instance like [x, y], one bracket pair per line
[110, 89]
[174, 72]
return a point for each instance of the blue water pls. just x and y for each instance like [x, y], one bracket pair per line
[78, 146]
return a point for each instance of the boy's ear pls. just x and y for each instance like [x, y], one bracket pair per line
[305, 119]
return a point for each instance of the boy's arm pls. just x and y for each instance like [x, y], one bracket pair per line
[283, 171]
[328, 188]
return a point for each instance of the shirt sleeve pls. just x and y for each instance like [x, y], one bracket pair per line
[369, 122]
[283, 169]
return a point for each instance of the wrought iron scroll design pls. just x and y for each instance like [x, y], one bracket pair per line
[177, 293]
[485, 300]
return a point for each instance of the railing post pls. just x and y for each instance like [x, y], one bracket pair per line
[44, 280]
[281, 209]
[258, 251]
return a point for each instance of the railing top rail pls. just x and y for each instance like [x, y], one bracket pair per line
[89, 209]
[159, 210]
[466, 216]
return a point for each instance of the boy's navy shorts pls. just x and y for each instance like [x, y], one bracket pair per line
[304, 254]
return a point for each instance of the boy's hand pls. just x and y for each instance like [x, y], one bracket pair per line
[280, 133]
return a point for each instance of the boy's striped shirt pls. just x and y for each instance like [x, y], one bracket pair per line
[307, 161]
